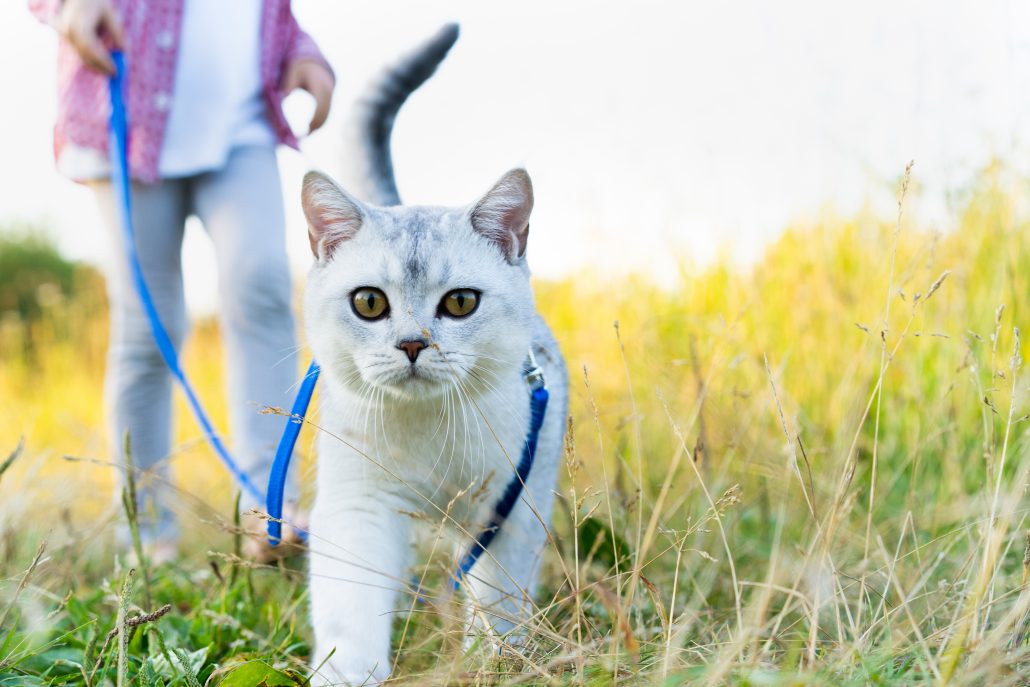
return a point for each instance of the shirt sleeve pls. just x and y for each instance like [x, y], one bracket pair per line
[301, 46]
[45, 10]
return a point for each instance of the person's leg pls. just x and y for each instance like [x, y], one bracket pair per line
[138, 385]
[241, 208]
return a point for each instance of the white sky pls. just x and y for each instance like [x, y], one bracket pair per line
[654, 131]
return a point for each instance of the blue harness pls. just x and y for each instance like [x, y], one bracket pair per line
[533, 375]
[538, 397]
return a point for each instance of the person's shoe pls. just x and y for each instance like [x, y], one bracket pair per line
[256, 546]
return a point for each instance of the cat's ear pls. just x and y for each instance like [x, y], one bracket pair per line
[502, 215]
[334, 216]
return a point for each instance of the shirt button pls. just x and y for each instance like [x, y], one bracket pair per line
[162, 101]
[165, 39]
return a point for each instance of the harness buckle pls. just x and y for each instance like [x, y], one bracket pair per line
[532, 373]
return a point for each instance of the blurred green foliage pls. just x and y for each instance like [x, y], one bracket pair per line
[44, 296]
[34, 276]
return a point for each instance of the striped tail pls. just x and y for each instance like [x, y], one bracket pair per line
[370, 163]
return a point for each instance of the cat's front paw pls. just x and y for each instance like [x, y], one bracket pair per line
[351, 671]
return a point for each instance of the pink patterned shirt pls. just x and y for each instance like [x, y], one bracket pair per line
[151, 29]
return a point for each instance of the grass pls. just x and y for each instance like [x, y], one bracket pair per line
[812, 471]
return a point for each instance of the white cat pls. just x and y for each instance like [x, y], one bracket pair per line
[422, 319]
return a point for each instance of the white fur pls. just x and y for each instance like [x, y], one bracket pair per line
[438, 437]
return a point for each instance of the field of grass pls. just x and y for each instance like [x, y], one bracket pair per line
[812, 471]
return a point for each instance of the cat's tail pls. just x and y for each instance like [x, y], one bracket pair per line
[368, 149]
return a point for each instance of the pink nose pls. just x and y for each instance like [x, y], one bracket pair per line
[412, 347]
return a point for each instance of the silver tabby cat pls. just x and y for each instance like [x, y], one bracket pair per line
[422, 319]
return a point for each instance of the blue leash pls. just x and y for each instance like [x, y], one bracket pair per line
[281, 465]
[120, 179]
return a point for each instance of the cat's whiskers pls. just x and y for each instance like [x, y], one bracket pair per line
[364, 390]
[476, 374]
[460, 385]
[366, 405]
[442, 416]
[353, 376]
[290, 351]
[356, 408]
[461, 425]
[446, 411]
[452, 437]
[372, 417]
[381, 414]
[483, 356]
[489, 381]
[466, 457]
[307, 375]
[458, 374]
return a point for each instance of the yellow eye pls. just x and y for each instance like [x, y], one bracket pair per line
[369, 303]
[459, 303]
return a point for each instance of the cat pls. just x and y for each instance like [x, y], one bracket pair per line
[422, 319]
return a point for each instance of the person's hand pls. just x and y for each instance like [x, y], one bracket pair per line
[317, 80]
[84, 24]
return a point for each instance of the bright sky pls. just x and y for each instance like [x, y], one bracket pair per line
[654, 131]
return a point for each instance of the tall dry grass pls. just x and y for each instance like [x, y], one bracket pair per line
[812, 470]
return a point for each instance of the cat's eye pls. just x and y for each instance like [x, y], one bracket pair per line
[369, 303]
[459, 303]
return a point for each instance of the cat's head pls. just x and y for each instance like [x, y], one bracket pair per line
[415, 300]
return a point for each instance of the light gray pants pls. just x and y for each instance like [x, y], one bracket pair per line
[241, 209]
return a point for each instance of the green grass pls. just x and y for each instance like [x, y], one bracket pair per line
[809, 472]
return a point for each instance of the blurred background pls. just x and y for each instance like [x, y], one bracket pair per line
[686, 157]
[668, 142]
[659, 134]
[723, 181]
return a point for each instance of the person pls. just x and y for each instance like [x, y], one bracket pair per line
[206, 82]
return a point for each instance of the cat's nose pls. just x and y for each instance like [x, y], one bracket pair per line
[412, 347]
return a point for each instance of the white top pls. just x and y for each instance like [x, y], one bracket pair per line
[217, 103]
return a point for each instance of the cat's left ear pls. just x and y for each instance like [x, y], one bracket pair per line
[333, 215]
[502, 215]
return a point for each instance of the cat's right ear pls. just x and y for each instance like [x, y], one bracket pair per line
[502, 215]
[333, 215]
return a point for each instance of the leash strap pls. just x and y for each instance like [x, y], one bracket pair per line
[281, 465]
[120, 180]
